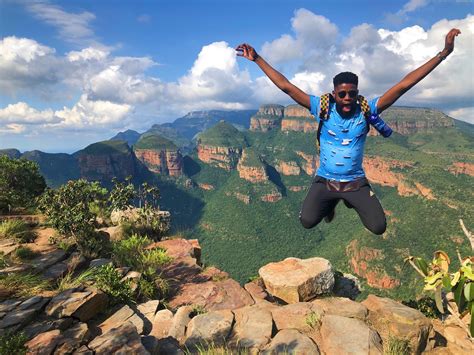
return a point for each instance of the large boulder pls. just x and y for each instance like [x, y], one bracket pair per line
[342, 335]
[124, 314]
[393, 319]
[209, 328]
[302, 316]
[342, 307]
[296, 280]
[252, 329]
[122, 340]
[77, 303]
[291, 341]
[226, 294]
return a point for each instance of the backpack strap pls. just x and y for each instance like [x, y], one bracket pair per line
[324, 108]
[365, 108]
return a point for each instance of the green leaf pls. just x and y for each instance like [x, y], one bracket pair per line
[422, 265]
[469, 291]
[438, 300]
[447, 282]
[471, 328]
[459, 295]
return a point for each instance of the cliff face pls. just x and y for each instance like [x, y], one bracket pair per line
[166, 162]
[311, 162]
[462, 168]
[298, 118]
[251, 168]
[267, 118]
[104, 167]
[288, 168]
[222, 157]
[360, 258]
[378, 171]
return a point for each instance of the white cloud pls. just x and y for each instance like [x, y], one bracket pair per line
[12, 128]
[463, 114]
[87, 54]
[312, 33]
[72, 27]
[24, 114]
[402, 15]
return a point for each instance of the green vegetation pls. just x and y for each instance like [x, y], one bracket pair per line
[106, 147]
[437, 278]
[69, 210]
[22, 285]
[313, 320]
[20, 183]
[16, 229]
[223, 134]
[396, 346]
[13, 343]
[251, 158]
[109, 281]
[425, 305]
[25, 253]
[154, 141]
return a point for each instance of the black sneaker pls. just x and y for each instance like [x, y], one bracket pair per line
[330, 216]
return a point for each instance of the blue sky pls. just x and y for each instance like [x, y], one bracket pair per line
[76, 72]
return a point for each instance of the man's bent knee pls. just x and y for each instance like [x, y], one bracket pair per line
[378, 228]
[308, 223]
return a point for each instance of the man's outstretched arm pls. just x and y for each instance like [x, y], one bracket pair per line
[247, 51]
[394, 93]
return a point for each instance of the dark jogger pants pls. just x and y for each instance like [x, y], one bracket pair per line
[319, 202]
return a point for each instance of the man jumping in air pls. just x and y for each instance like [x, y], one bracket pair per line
[343, 118]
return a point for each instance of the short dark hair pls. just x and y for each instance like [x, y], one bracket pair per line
[345, 78]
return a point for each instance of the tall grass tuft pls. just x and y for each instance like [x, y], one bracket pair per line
[17, 229]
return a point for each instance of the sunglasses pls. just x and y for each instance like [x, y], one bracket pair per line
[352, 94]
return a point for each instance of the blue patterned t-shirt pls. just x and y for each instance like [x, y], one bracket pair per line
[342, 142]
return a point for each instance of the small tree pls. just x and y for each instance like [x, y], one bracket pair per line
[437, 278]
[122, 195]
[69, 211]
[20, 183]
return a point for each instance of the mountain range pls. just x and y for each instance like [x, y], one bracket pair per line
[236, 179]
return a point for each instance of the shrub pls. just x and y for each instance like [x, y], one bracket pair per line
[313, 320]
[425, 305]
[122, 195]
[20, 183]
[69, 209]
[3, 260]
[25, 253]
[17, 229]
[109, 280]
[13, 343]
[130, 252]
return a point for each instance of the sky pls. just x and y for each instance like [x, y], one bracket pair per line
[76, 72]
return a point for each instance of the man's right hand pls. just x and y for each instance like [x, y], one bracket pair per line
[247, 51]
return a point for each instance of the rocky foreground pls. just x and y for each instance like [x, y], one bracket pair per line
[295, 307]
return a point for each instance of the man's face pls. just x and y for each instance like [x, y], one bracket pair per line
[346, 97]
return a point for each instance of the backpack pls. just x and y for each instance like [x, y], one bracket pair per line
[324, 102]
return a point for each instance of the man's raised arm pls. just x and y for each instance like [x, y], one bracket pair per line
[247, 51]
[394, 93]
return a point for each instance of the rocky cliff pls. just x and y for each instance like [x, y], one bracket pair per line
[221, 146]
[267, 118]
[251, 167]
[159, 154]
[105, 160]
[299, 119]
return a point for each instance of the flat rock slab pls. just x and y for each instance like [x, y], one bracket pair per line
[209, 328]
[175, 248]
[302, 316]
[123, 315]
[391, 318]
[44, 343]
[291, 341]
[56, 271]
[44, 261]
[252, 329]
[295, 280]
[83, 305]
[342, 335]
[227, 294]
[122, 340]
[344, 307]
